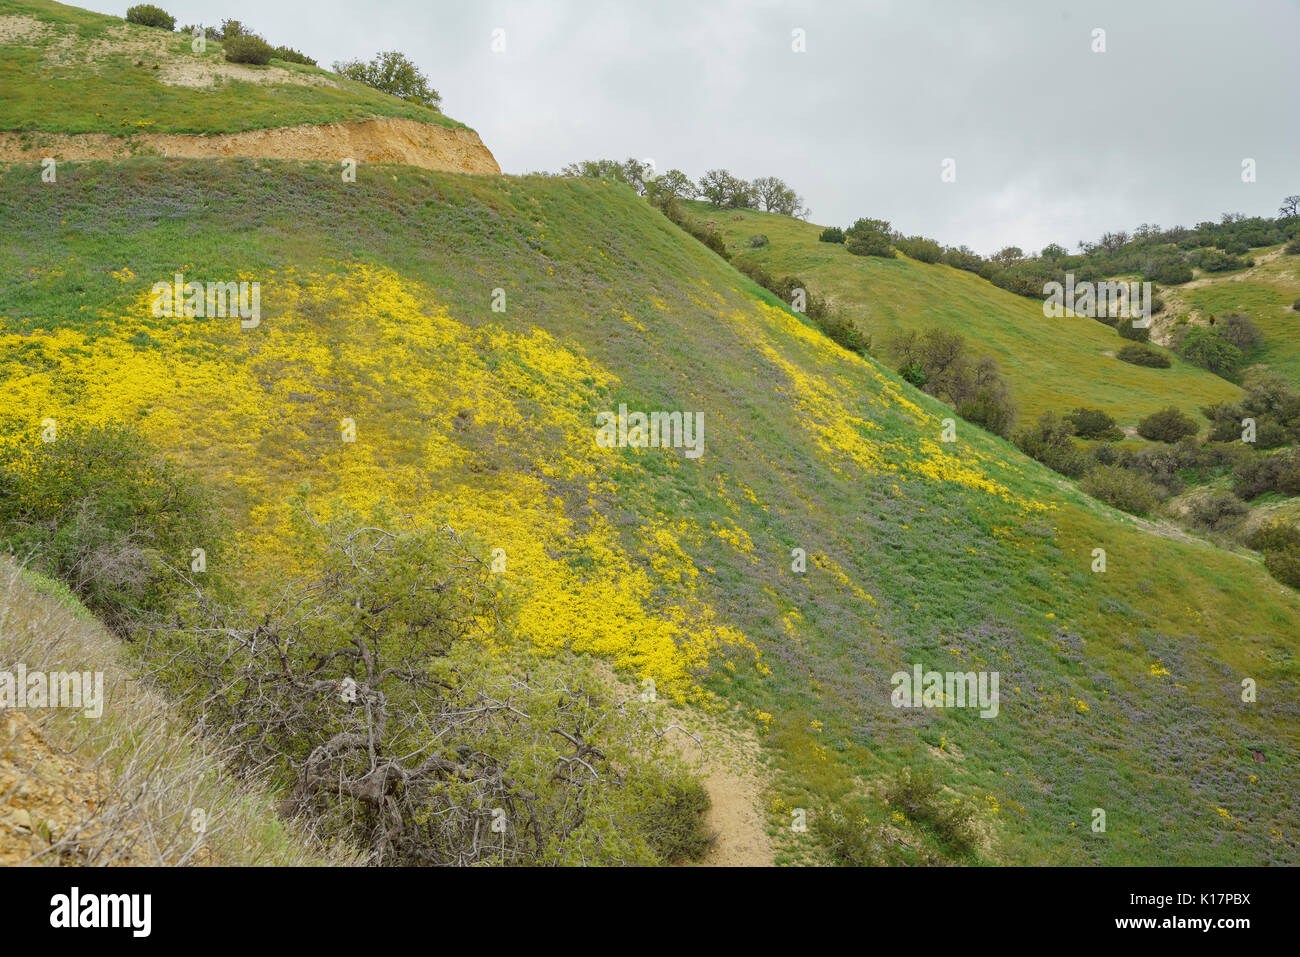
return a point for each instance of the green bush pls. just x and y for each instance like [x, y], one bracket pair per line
[671, 817]
[1212, 260]
[248, 48]
[758, 241]
[1048, 440]
[102, 511]
[939, 362]
[1139, 355]
[1171, 273]
[387, 691]
[831, 234]
[869, 237]
[921, 249]
[290, 55]
[917, 793]
[1238, 330]
[1210, 349]
[1122, 488]
[1279, 472]
[1127, 330]
[1218, 510]
[852, 840]
[146, 14]
[1167, 425]
[1280, 545]
[1093, 424]
[1293, 248]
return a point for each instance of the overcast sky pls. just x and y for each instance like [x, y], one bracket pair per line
[1052, 142]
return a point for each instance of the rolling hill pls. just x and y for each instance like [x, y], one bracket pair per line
[1051, 364]
[443, 344]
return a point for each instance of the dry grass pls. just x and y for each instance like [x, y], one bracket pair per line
[129, 787]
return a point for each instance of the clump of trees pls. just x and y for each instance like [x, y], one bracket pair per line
[393, 73]
[724, 190]
[939, 363]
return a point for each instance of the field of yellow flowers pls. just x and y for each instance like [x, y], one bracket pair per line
[441, 346]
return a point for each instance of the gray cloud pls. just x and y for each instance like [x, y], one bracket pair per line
[1053, 143]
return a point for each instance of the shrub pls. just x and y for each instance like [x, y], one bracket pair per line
[1122, 488]
[869, 237]
[1127, 330]
[921, 249]
[1296, 305]
[1238, 330]
[248, 48]
[391, 72]
[1212, 260]
[1279, 472]
[1139, 355]
[844, 331]
[671, 815]
[831, 234]
[102, 511]
[1048, 441]
[1171, 273]
[917, 793]
[386, 689]
[937, 361]
[1280, 545]
[1167, 425]
[290, 55]
[758, 241]
[1292, 248]
[850, 837]
[146, 14]
[1093, 424]
[1208, 348]
[1218, 510]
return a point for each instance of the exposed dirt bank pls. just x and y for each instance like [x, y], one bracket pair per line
[370, 141]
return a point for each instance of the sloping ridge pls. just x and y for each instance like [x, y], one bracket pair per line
[383, 140]
[1120, 690]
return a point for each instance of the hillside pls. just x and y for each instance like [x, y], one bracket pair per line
[1120, 690]
[121, 789]
[1266, 292]
[1051, 364]
[80, 85]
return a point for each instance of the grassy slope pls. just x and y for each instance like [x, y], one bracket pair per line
[1053, 364]
[1119, 690]
[120, 788]
[1266, 294]
[71, 79]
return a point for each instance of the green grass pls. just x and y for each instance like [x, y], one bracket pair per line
[1266, 295]
[1051, 364]
[71, 80]
[932, 570]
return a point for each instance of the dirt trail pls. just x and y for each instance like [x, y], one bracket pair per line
[392, 140]
[726, 756]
